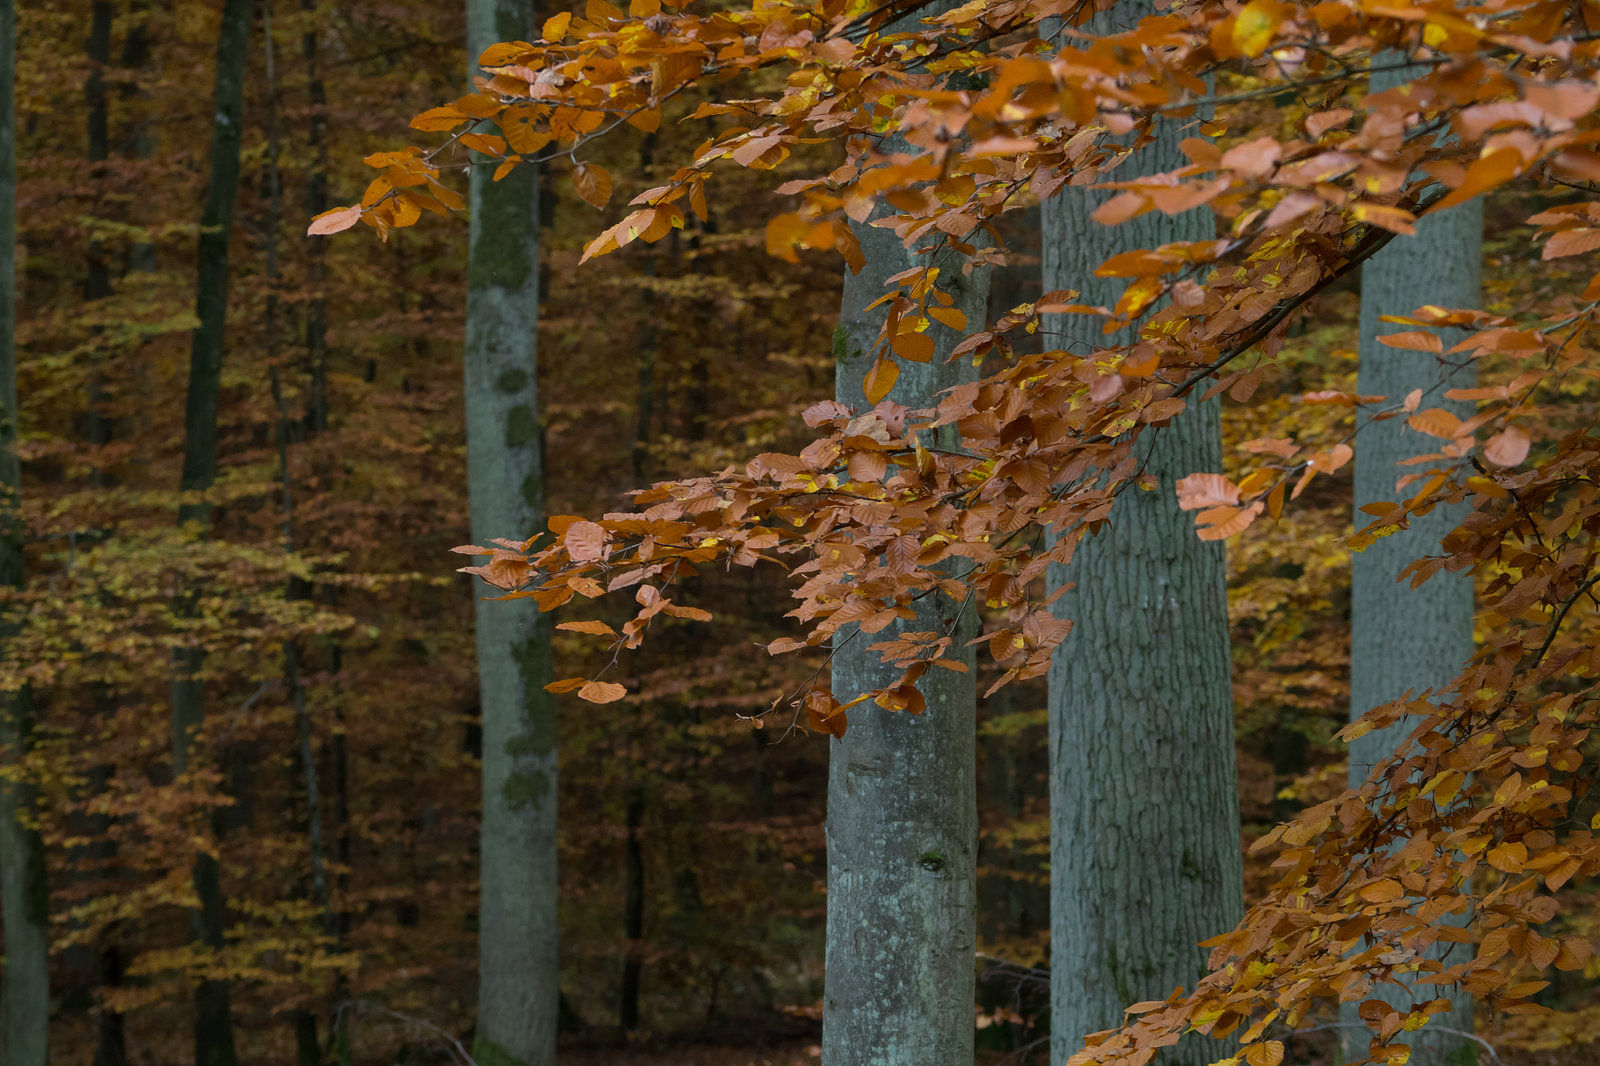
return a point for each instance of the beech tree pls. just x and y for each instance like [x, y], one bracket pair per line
[1476, 811]
[518, 976]
[1140, 689]
[1406, 641]
[902, 793]
[24, 894]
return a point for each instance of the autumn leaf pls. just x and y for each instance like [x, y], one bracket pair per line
[602, 692]
[1436, 422]
[1416, 341]
[340, 218]
[568, 684]
[594, 627]
[1385, 891]
[585, 541]
[1507, 448]
[593, 183]
[439, 118]
[879, 380]
[1267, 1053]
[1206, 490]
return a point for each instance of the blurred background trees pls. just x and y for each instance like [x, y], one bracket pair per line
[336, 783]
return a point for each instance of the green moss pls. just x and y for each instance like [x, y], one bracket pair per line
[505, 251]
[522, 426]
[841, 346]
[488, 1053]
[526, 789]
[512, 381]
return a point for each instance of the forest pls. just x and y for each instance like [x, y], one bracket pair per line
[871, 532]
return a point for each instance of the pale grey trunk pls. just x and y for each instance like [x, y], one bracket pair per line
[1145, 857]
[24, 898]
[902, 801]
[1403, 638]
[518, 970]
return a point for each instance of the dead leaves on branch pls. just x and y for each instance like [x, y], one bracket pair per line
[888, 506]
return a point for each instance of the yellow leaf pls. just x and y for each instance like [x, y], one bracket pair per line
[555, 28]
[1269, 1053]
[1253, 28]
[879, 380]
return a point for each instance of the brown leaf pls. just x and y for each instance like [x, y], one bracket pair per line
[592, 182]
[602, 692]
[1436, 422]
[585, 541]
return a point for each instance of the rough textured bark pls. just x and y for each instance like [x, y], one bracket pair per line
[1403, 638]
[902, 803]
[213, 1022]
[1144, 851]
[24, 899]
[518, 972]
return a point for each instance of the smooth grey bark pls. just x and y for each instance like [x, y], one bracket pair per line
[24, 896]
[213, 1020]
[518, 965]
[1145, 854]
[1402, 638]
[902, 802]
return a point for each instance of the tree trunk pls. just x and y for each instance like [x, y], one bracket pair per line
[902, 801]
[518, 969]
[1144, 813]
[213, 1023]
[1403, 638]
[24, 896]
[632, 911]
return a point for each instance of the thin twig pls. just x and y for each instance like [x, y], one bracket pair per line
[373, 1008]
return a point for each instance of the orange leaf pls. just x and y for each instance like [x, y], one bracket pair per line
[1269, 1053]
[879, 380]
[1436, 422]
[915, 347]
[439, 118]
[569, 684]
[1572, 242]
[555, 27]
[1416, 341]
[1206, 490]
[593, 183]
[1508, 858]
[593, 626]
[1384, 891]
[602, 692]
